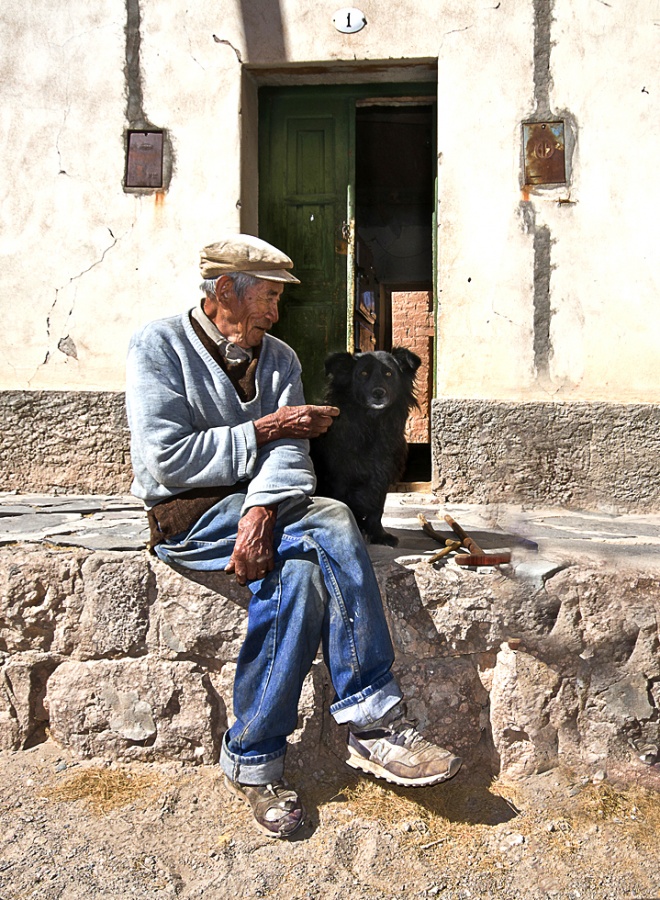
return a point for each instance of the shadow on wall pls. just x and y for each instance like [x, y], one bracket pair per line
[264, 33]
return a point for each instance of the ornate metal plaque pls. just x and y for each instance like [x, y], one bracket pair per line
[545, 157]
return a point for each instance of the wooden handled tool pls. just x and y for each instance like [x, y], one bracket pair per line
[484, 559]
[450, 546]
[476, 556]
[428, 529]
[466, 540]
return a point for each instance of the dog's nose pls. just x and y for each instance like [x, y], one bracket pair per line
[378, 393]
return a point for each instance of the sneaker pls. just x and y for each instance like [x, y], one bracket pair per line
[395, 751]
[277, 810]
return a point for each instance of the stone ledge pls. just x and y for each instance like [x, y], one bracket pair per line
[118, 655]
[581, 455]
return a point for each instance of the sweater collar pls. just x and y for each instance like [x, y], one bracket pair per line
[230, 352]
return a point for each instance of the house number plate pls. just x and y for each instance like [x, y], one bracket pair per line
[349, 20]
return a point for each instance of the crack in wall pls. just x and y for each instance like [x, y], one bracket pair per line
[190, 49]
[62, 170]
[229, 44]
[66, 343]
[543, 19]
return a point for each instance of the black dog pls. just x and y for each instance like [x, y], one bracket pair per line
[365, 451]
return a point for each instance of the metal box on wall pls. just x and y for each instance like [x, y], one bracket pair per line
[545, 154]
[144, 159]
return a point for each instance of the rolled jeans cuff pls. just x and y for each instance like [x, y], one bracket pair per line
[267, 768]
[366, 707]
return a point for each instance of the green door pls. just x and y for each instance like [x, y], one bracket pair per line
[306, 181]
[304, 173]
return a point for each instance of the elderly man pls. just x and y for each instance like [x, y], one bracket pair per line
[219, 444]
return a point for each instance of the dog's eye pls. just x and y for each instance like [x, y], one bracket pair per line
[388, 374]
[363, 373]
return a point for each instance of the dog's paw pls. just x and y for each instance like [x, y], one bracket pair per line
[384, 538]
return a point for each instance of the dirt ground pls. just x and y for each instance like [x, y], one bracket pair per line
[72, 829]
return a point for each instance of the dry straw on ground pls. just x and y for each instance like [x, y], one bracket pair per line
[456, 810]
[105, 789]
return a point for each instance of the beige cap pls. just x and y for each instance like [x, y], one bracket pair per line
[245, 253]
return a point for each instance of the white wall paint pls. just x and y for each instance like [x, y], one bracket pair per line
[83, 259]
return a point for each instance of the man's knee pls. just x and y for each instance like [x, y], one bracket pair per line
[334, 511]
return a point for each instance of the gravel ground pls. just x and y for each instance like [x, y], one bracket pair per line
[73, 829]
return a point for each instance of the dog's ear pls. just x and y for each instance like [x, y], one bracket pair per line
[339, 366]
[406, 360]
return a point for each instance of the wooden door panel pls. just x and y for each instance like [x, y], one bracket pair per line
[310, 228]
[303, 184]
[310, 156]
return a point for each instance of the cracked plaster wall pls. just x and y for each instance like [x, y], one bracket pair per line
[542, 299]
[539, 300]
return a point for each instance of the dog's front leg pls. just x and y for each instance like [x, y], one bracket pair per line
[374, 531]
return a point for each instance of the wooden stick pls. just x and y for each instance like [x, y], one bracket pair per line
[450, 545]
[466, 540]
[427, 528]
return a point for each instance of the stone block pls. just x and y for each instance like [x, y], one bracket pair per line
[523, 716]
[23, 680]
[447, 700]
[197, 615]
[136, 709]
[412, 628]
[36, 586]
[109, 618]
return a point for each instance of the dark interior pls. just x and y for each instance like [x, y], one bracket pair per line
[394, 200]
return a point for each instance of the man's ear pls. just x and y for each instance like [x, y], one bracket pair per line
[224, 290]
[339, 366]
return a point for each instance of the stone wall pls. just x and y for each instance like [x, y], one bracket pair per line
[579, 455]
[57, 441]
[119, 656]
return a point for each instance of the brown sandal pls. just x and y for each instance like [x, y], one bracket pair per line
[277, 809]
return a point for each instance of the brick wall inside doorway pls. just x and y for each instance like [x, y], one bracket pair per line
[412, 327]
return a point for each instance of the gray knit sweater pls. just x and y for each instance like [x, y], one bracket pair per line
[189, 428]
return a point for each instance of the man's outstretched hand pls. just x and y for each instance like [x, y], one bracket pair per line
[253, 555]
[301, 422]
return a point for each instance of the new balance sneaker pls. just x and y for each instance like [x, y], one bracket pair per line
[278, 811]
[395, 751]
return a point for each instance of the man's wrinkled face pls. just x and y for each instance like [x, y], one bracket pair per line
[251, 316]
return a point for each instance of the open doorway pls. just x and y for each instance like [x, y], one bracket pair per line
[394, 217]
[347, 188]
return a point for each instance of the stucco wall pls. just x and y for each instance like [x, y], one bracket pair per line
[551, 293]
[545, 295]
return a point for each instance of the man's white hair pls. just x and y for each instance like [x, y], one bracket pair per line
[242, 281]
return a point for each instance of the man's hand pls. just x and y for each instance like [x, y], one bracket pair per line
[253, 555]
[294, 422]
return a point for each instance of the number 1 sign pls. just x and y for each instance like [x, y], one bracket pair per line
[349, 20]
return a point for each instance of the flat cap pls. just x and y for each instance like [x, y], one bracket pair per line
[245, 253]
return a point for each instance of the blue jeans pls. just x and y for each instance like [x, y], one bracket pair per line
[322, 591]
